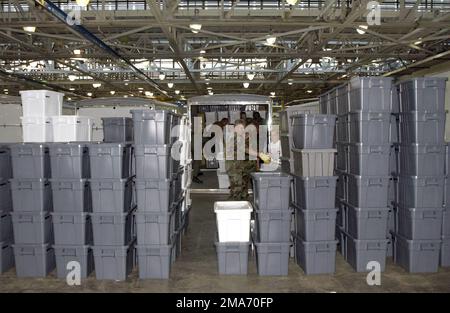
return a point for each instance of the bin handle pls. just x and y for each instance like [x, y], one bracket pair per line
[427, 247]
[373, 246]
[67, 219]
[25, 219]
[323, 248]
[106, 220]
[429, 215]
[26, 251]
[69, 252]
[431, 149]
[322, 216]
[431, 182]
[322, 183]
[108, 253]
[3, 184]
[375, 182]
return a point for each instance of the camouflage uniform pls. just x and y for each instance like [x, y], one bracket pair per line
[239, 173]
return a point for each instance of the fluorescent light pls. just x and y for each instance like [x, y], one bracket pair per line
[418, 42]
[6, 89]
[290, 83]
[292, 2]
[132, 95]
[96, 85]
[211, 93]
[69, 99]
[272, 93]
[246, 84]
[170, 85]
[77, 51]
[202, 51]
[250, 76]
[6, 92]
[149, 94]
[309, 91]
[29, 29]
[360, 31]
[209, 88]
[162, 76]
[89, 94]
[125, 96]
[140, 88]
[71, 89]
[195, 28]
[72, 77]
[271, 40]
[126, 84]
[112, 92]
[82, 3]
[177, 92]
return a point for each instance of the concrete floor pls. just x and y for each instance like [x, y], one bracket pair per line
[196, 271]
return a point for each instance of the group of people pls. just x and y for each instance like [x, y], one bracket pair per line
[239, 169]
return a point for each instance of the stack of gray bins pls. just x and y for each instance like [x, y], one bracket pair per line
[113, 207]
[6, 229]
[72, 204]
[419, 212]
[32, 206]
[363, 144]
[271, 236]
[314, 191]
[117, 129]
[158, 191]
[445, 248]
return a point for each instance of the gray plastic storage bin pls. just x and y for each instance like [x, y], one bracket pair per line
[72, 228]
[232, 257]
[113, 263]
[316, 257]
[6, 256]
[417, 256]
[395, 99]
[273, 225]
[111, 195]
[5, 196]
[332, 102]
[447, 192]
[313, 131]
[367, 191]
[71, 195]
[424, 94]
[154, 127]
[5, 162]
[316, 225]
[365, 223]
[110, 160]
[112, 229]
[394, 129]
[370, 94]
[155, 162]
[446, 223]
[285, 147]
[359, 253]
[391, 221]
[314, 192]
[342, 157]
[272, 259]
[323, 103]
[394, 161]
[390, 247]
[32, 227]
[285, 165]
[34, 260]
[422, 160]
[271, 190]
[423, 128]
[420, 224]
[81, 254]
[341, 216]
[31, 195]
[421, 191]
[30, 160]
[155, 195]
[6, 227]
[369, 128]
[343, 99]
[343, 134]
[341, 187]
[154, 261]
[155, 228]
[447, 158]
[369, 160]
[445, 252]
[283, 121]
[117, 129]
[69, 160]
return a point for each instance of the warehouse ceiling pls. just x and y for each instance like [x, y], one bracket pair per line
[177, 49]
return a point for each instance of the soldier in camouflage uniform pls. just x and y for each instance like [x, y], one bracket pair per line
[239, 170]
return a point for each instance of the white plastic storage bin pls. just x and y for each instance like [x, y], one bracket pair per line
[37, 129]
[68, 128]
[314, 162]
[233, 220]
[224, 180]
[41, 102]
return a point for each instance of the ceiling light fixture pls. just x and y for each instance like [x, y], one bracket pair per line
[96, 85]
[271, 40]
[170, 85]
[195, 28]
[125, 96]
[89, 94]
[309, 91]
[72, 77]
[140, 88]
[162, 76]
[202, 51]
[82, 3]
[177, 92]
[71, 89]
[112, 92]
[361, 31]
[250, 76]
[246, 85]
[149, 94]
[291, 2]
[77, 51]
[29, 29]
[272, 93]
[69, 99]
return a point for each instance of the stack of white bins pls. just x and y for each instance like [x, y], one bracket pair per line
[419, 211]
[314, 192]
[159, 191]
[233, 227]
[42, 119]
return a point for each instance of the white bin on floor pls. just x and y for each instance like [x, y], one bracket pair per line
[37, 129]
[233, 220]
[67, 128]
[224, 179]
[41, 102]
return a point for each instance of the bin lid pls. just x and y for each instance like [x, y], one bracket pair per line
[232, 206]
